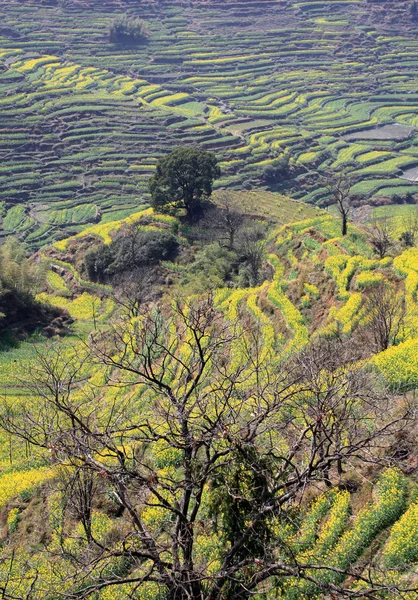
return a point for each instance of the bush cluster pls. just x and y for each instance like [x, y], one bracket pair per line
[131, 249]
[20, 279]
[125, 29]
[408, 198]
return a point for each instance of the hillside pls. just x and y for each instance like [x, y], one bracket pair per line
[310, 84]
[319, 288]
[208, 300]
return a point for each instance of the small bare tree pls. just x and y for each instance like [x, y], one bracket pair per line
[79, 487]
[386, 310]
[231, 217]
[134, 289]
[215, 422]
[253, 249]
[339, 187]
[226, 218]
[410, 227]
[381, 236]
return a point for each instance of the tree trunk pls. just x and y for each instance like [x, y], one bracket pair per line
[188, 212]
[231, 239]
[188, 588]
[344, 226]
[188, 205]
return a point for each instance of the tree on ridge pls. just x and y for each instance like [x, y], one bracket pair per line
[184, 179]
[339, 187]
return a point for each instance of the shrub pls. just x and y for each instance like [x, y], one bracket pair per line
[279, 170]
[212, 268]
[125, 29]
[97, 261]
[407, 238]
[132, 248]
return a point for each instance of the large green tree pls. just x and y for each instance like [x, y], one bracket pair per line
[183, 179]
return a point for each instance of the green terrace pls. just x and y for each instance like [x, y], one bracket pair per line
[252, 82]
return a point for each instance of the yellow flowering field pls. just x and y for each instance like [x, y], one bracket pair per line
[401, 549]
[84, 307]
[13, 484]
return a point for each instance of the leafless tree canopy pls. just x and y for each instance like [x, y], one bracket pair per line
[253, 248]
[135, 289]
[227, 217]
[197, 422]
[410, 227]
[339, 187]
[382, 236]
[386, 310]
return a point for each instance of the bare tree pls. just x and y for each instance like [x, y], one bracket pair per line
[381, 236]
[252, 249]
[386, 310]
[410, 227]
[228, 216]
[14, 573]
[339, 187]
[198, 419]
[79, 486]
[134, 289]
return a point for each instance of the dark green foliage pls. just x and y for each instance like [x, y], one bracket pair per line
[22, 315]
[414, 10]
[216, 266]
[133, 248]
[408, 238]
[408, 198]
[277, 171]
[128, 30]
[238, 494]
[20, 280]
[97, 261]
[252, 253]
[213, 267]
[184, 179]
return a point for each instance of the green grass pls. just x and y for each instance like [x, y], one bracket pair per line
[395, 210]
[14, 217]
[273, 206]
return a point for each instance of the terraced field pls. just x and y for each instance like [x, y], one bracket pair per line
[318, 288]
[83, 121]
[305, 257]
